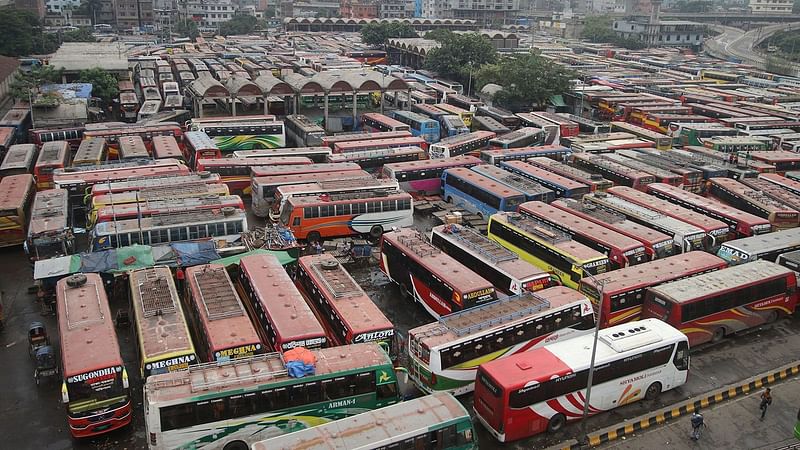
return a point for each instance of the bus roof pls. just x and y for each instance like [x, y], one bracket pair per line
[767, 242]
[273, 152]
[483, 182]
[544, 174]
[260, 161]
[49, 212]
[612, 220]
[688, 289]
[120, 171]
[696, 199]
[19, 156]
[15, 191]
[554, 237]
[53, 152]
[456, 161]
[302, 178]
[466, 137]
[293, 169]
[349, 146]
[638, 197]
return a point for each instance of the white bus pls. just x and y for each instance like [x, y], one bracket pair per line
[302, 132]
[763, 246]
[148, 109]
[284, 193]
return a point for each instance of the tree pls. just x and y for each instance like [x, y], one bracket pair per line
[240, 24]
[187, 28]
[104, 84]
[376, 34]
[26, 84]
[19, 33]
[692, 6]
[90, 8]
[527, 80]
[79, 35]
[460, 55]
[796, 7]
[599, 29]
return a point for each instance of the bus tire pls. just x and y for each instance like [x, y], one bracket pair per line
[556, 423]
[772, 316]
[375, 232]
[653, 391]
[718, 334]
[449, 199]
[236, 445]
[314, 236]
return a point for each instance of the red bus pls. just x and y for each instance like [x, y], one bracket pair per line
[235, 172]
[95, 389]
[52, 155]
[264, 189]
[624, 291]
[131, 147]
[146, 132]
[360, 146]
[7, 138]
[431, 277]
[562, 186]
[496, 156]
[330, 141]
[690, 178]
[621, 175]
[782, 160]
[380, 123]
[788, 184]
[198, 145]
[374, 160]
[621, 250]
[147, 208]
[657, 244]
[19, 160]
[166, 183]
[344, 309]
[73, 135]
[567, 127]
[595, 181]
[710, 306]
[297, 169]
[284, 319]
[425, 177]
[167, 147]
[222, 329]
[661, 175]
[741, 224]
[771, 204]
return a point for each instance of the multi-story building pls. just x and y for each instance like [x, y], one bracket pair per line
[396, 9]
[771, 6]
[133, 13]
[58, 6]
[608, 6]
[210, 13]
[664, 33]
[480, 10]
[358, 9]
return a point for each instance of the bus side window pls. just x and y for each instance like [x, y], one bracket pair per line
[388, 390]
[296, 221]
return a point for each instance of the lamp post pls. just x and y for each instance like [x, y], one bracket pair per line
[469, 85]
[584, 438]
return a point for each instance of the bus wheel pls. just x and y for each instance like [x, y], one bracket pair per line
[449, 199]
[556, 423]
[719, 333]
[314, 237]
[375, 232]
[236, 445]
[772, 316]
[653, 391]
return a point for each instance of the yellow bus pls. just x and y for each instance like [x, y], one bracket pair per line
[466, 116]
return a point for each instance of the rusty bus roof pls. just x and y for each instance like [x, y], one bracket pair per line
[15, 191]
[53, 152]
[483, 182]
[171, 182]
[708, 224]
[293, 169]
[440, 163]
[543, 173]
[612, 220]
[49, 212]
[117, 172]
[19, 156]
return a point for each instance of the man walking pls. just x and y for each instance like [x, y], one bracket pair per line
[697, 424]
[766, 400]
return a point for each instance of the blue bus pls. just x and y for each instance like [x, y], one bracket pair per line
[562, 186]
[533, 191]
[479, 194]
[452, 125]
[420, 125]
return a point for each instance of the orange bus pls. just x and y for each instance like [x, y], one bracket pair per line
[53, 155]
[167, 147]
[235, 172]
[16, 196]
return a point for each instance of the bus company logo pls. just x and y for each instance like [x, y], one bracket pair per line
[734, 254]
[173, 364]
[634, 251]
[721, 231]
[95, 375]
[480, 293]
[245, 350]
[304, 343]
[342, 403]
[592, 264]
[373, 336]
[766, 228]
[553, 337]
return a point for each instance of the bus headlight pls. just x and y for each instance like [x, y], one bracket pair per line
[125, 382]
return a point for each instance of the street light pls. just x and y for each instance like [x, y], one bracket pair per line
[584, 439]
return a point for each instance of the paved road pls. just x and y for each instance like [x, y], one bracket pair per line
[737, 43]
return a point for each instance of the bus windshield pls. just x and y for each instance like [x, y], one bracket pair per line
[89, 392]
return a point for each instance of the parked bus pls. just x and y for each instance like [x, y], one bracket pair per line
[19, 160]
[661, 175]
[16, 196]
[529, 188]
[614, 171]
[562, 186]
[505, 118]
[497, 156]
[112, 133]
[148, 109]
[758, 200]
[347, 313]
[164, 342]
[486, 123]
[376, 123]
[551, 132]
[763, 246]
[698, 133]
[460, 144]
[330, 141]
[328, 187]
[132, 147]
[49, 234]
[623, 292]
[235, 172]
[465, 115]
[264, 188]
[741, 223]
[595, 181]
[567, 128]
[434, 421]
[587, 125]
[294, 169]
[315, 154]
[169, 184]
[7, 138]
[52, 155]
[20, 120]
[374, 160]
[242, 133]
[445, 355]
[91, 152]
[425, 177]
[95, 387]
[149, 207]
[284, 324]
[302, 132]
[710, 306]
[73, 135]
[379, 144]
[523, 137]
[536, 391]
[452, 125]
[735, 144]
[164, 193]
[660, 122]
[782, 160]
[464, 102]
[783, 182]
[667, 170]
[478, 194]
[547, 247]
[420, 126]
[437, 281]
[167, 147]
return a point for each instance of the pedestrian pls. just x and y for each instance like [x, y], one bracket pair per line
[318, 248]
[179, 276]
[766, 400]
[697, 424]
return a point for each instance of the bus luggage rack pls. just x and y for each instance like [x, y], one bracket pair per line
[598, 212]
[217, 294]
[191, 216]
[355, 195]
[541, 229]
[493, 313]
[182, 204]
[336, 280]
[418, 244]
[207, 376]
[155, 294]
[168, 191]
[480, 244]
[329, 185]
[625, 205]
[86, 316]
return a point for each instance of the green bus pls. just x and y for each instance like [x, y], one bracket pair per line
[434, 421]
[231, 405]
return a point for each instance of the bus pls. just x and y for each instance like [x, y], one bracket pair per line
[419, 125]
[540, 390]
[614, 171]
[486, 123]
[497, 156]
[425, 177]
[711, 306]
[198, 145]
[595, 181]
[478, 194]
[313, 218]
[782, 160]
[235, 172]
[763, 246]
[623, 290]
[173, 227]
[315, 154]
[547, 247]
[376, 123]
[667, 168]
[741, 223]
[587, 125]
[378, 144]
[73, 135]
[460, 144]
[562, 186]
[52, 155]
[95, 388]
[595, 138]
[243, 132]
[567, 128]
[91, 152]
[662, 141]
[789, 184]
[19, 160]
[7, 138]
[302, 132]
[164, 193]
[239, 402]
[735, 144]
[112, 133]
[164, 342]
[345, 310]
[148, 109]
[505, 118]
[283, 324]
[660, 122]
[698, 133]
[523, 137]
[551, 132]
[16, 196]
[452, 125]
[222, 328]
[20, 120]
[657, 245]
[165, 205]
[263, 189]
[296, 169]
[49, 234]
[498, 265]
[132, 147]
[661, 175]
[167, 147]
[434, 421]
[429, 111]
[531, 189]
[758, 200]
[330, 141]
[327, 187]
[464, 102]
[373, 160]
[445, 355]
[196, 182]
[434, 279]
[465, 115]
[622, 251]
[128, 106]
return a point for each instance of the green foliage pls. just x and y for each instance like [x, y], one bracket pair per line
[527, 80]
[104, 84]
[26, 84]
[377, 33]
[186, 28]
[439, 34]
[79, 35]
[460, 54]
[692, 6]
[600, 29]
[787, 42]
[240, 24]
[21, 34]
[90, 8]
[780, 66]
[796, 7]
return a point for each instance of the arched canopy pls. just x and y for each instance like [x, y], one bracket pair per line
[207, 86]
[242, 87]
[303, 85]
[270, 85]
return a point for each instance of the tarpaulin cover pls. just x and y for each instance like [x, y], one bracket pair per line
[282, 256]
[134, 257]
[300, 362]
[194, 253]
[105, 261]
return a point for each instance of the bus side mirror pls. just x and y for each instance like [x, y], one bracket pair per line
[64, 393]
[125, 382]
